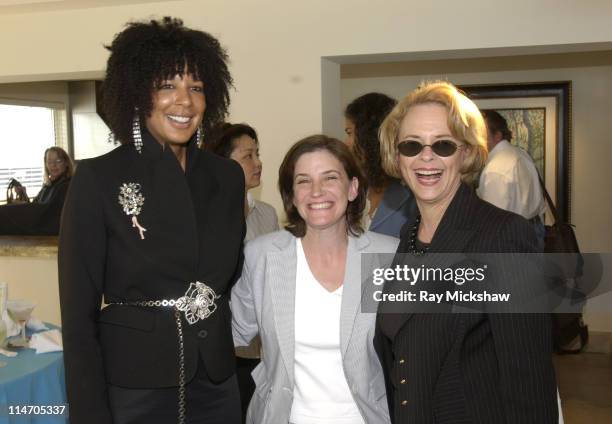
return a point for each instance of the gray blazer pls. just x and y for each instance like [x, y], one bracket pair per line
[263, 301]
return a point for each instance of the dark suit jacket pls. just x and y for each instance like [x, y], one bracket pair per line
[476, 367]
[195, 226]
[396, 207]
[41, 217]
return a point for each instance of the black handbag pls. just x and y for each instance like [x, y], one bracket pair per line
[570, 334]
[15, 192]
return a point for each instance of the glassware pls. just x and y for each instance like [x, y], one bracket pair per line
[3, 298]
[2, 337]
[20, 311]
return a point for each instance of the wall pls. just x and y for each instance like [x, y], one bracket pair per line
[276, 49]
[40, 93]
[34, 279]
[276, 46]
[90, 133]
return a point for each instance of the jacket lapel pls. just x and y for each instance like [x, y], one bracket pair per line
[452, 236]
[281, 276]
[351, 289]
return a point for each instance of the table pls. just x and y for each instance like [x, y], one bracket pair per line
[32, 379]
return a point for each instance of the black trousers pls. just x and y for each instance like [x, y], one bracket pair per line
[207, 402]
[244, 368]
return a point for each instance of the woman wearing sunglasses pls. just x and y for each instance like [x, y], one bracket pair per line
[444, 367]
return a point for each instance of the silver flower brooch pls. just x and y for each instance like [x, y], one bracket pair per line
[132, 200]
[198, 302]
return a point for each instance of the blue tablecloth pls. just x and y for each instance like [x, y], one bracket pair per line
[32, 379]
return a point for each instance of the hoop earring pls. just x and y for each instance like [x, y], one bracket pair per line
[136, 135]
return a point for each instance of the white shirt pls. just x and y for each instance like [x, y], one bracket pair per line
[321, 394]
[261, 219]
[510, 181]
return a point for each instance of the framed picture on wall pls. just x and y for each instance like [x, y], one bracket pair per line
[539, 116]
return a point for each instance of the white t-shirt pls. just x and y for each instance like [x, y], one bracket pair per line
[510, 181]
[321, 394]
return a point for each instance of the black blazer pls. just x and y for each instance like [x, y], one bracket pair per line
[195, 226]
[41, 217]
[477, 367]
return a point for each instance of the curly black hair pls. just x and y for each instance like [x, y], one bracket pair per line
[146, 53]
[367, 112]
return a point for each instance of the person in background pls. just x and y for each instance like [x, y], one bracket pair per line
[42, 215]
[58, 171]
[390, 203]
[240, 143]
[300, 289]
[458, 367]
[154, 228]
[510, 179]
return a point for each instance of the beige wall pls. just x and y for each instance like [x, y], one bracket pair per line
[41, 93]
[276, 48]
[34, 279]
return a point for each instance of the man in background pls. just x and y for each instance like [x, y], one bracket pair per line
[510, 179]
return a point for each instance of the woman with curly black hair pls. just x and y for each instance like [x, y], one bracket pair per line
[154, 229]
[390, 204]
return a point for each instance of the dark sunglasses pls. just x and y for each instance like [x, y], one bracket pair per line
[442, 148]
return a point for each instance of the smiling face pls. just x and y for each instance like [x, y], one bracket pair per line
[56, 166]
[246, 153]
[322, 190]
[433, 179]
[178, 108]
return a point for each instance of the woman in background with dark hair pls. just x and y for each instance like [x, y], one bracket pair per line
[390, 203]
[42, 215]
[154, 228]
[239, 142]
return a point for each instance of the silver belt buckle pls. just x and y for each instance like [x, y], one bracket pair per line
[198, 303]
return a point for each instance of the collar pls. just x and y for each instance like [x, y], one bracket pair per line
[153, 150]
[499, 147]
[250, 202]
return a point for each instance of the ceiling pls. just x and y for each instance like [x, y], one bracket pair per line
[8, 7]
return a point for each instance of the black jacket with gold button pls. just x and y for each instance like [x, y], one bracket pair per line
[469, 367]
[194, 229]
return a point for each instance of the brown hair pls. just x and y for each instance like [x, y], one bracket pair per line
[464, 121]
[354, 211]
[61, 154]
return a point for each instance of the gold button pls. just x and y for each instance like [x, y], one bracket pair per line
[401, 361]
[403, 381]
[404, 402]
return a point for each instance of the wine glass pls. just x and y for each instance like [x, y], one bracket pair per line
[20, 311]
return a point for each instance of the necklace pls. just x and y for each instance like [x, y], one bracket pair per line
[413, 239]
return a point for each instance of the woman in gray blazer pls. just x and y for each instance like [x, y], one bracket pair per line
[301, 290]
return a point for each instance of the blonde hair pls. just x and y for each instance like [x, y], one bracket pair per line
[61, 154]
[464, 121]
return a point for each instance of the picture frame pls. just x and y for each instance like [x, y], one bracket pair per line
[553, 100]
